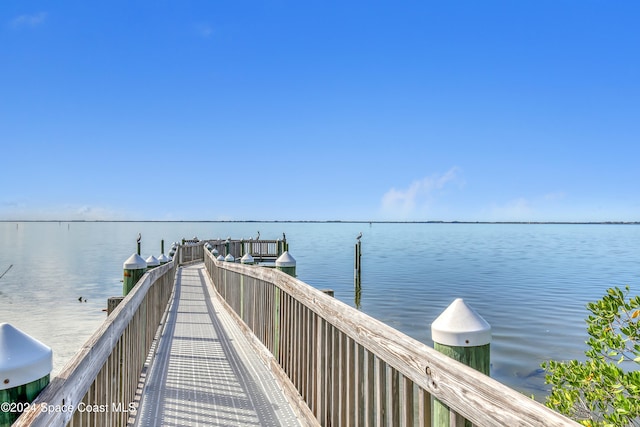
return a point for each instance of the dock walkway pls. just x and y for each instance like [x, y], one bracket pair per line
[205, 372]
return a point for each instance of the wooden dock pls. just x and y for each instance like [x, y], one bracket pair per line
[205, 372]
[201, 341]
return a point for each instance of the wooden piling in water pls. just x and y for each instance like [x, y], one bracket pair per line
[25, 368]
[357, 264]
[357, 271]
[462, 334]
[134, 268]
[112, 303]
[286, 263]
[152, 262]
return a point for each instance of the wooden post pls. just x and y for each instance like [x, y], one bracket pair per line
[282, 245]
[162, 259]
[112, 303]
[286, 263]
[152, 262]
[357, 271]
[134, 268]
[462, 334]
[247, 259]
[357, 265]
[25, 368]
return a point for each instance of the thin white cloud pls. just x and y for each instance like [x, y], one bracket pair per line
[415, 199]
[29, 21]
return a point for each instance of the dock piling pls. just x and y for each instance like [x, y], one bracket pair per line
[286, 263]
[462, 334]
[25, 368]
[152, 262]
[357, 270]
[134, 268]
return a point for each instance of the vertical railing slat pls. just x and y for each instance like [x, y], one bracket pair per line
[338, 366]
[394, 397]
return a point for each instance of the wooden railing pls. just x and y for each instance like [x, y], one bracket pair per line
[352, 370]
[190, 252]
[98, 386]
[261, 250]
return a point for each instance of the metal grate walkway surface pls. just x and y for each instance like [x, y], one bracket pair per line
[205, 372]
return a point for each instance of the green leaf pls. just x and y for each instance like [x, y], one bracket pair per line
[598, 388]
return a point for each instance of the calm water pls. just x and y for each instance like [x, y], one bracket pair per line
[530, 282]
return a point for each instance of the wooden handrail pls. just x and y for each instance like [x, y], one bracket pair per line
[344, 366]
[352, 369]
[260, 249]
[97, 386]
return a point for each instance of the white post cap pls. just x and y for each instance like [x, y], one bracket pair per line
[135, 262]
[220, 258]
[215, 252]
[247, 259]
[152, 261]
[229, 258]
[23, 359]
[163, 259]
[285, 260]
[461, 326]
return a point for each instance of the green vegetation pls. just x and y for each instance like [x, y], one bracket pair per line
[604, 390]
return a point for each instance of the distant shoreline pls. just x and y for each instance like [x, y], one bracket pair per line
[335, 221]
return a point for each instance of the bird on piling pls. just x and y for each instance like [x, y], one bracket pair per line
[258, 236]
[139, 237]
[359, 236]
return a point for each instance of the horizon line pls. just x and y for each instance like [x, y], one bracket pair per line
[329, 221]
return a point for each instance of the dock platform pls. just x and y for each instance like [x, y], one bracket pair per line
[202, 340]
[205, 372]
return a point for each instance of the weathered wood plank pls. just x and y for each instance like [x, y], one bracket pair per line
[77, 377]
[306, 417]
[469, 393]
[370, 390]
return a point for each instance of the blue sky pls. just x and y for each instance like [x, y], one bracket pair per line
[320, 110]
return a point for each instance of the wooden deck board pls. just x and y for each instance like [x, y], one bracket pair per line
[205, 372]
